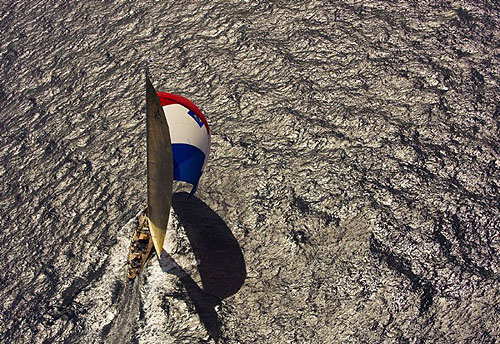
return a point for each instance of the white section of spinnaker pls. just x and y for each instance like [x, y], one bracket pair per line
[184, 129]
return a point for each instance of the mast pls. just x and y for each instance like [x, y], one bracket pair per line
[159, 167]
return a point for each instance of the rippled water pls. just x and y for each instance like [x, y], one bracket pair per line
[355, 163]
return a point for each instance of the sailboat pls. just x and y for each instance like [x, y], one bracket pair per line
[178, 145]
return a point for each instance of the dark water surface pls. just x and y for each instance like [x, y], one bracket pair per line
[355, 163]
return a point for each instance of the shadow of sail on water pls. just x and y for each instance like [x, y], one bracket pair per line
[159, 166]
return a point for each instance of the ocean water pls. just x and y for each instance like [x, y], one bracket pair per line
[352, 193]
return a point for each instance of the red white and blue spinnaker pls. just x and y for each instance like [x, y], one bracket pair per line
[190, 137]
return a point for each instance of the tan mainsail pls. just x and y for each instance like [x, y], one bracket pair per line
[160, 167]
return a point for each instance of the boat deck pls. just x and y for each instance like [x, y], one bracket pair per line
[140, 247]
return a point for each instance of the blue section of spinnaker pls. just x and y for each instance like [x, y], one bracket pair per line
[188, 163]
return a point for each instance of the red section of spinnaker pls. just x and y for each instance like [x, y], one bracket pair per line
[170, 98]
